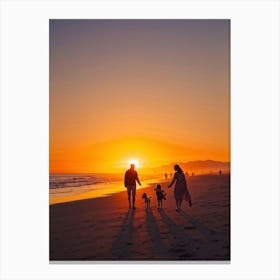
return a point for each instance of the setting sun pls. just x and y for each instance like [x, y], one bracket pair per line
[135, 162]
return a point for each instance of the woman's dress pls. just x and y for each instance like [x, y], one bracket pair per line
[181, 190]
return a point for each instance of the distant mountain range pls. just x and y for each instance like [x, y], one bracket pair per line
[197, 167]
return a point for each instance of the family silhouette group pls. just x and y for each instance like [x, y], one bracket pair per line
[181, 191]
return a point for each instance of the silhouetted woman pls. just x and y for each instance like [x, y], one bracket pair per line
[181, 190]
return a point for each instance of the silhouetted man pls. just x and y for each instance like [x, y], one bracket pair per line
[130, 179]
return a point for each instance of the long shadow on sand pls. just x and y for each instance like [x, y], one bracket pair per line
[159, 251]
[121, 249]
[209, 234]
[182, 247]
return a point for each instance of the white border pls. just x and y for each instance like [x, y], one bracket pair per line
[254, 142]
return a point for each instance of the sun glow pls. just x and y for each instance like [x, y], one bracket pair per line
[135, 162]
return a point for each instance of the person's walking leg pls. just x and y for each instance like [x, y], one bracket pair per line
[177, 204]
[180, 203]
[133, 196]
[128, 196]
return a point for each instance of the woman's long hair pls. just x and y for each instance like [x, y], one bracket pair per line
[178, 168]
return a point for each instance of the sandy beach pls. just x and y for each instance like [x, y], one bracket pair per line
[104, 229]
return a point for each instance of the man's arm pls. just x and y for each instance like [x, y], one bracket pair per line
[125, 179]
[137, 179]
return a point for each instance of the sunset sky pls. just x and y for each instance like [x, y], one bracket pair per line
[157, 91]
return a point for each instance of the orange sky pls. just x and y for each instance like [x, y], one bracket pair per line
[153, 90]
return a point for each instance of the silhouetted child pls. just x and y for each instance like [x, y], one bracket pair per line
[160, 195]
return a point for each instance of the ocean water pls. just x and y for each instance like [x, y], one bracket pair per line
[70, 187]
[61, 181]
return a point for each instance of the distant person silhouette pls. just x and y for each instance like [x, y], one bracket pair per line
[181, 190]
[130, 179]
[165, 175]
[220, 172]
[170, 174]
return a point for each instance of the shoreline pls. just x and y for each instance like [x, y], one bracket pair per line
[109, 189]
[102, 190]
